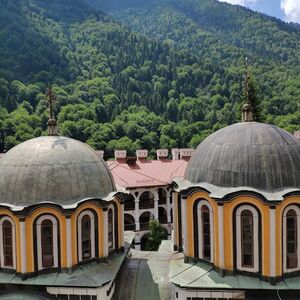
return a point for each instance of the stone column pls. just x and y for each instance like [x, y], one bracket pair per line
[23, 246]
[175, 222]
[156, 198]
[69, 241]
[221, 235]
[273, 241]
[122, 225]
[184, 225]
[105, 232]
[137, 214]
[168, 208]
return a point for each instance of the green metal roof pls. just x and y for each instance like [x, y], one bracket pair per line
[200, 275]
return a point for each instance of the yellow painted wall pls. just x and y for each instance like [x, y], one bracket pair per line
[279, 214]
[29, 227]
[99, 212]
[228, 230]
[29, 221]
[8, 213]
[229, 208]
[190, 223]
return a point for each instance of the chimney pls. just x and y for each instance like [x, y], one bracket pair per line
[120, 155]
[297, 134]
[100, 153]
[162, 153]
[186, 153]
[142, 154]
[175, 153]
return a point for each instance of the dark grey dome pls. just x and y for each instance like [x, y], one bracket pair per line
[53, 169]
[250, 154]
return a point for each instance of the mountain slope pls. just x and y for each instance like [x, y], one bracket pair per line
[120, 89]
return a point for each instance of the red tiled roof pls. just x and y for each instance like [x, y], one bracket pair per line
[146, 173]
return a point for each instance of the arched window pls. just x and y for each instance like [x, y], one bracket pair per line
[86, 237]
[47, 242]
[206, 247]
[86, 228]
[247, 239]
[291, 236]
[8, 244]
[205, 231]
[291, 240]
[110, 229]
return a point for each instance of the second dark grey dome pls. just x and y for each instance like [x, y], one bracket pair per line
[53, 169]
[250, 154]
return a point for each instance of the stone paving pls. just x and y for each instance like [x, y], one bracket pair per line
[145, 275]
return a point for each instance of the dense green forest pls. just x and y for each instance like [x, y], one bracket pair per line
[164, 74]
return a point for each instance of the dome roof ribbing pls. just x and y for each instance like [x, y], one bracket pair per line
[249, 154]
[53, 169]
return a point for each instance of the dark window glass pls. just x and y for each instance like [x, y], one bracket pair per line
[47, 244]
[247, 239]
[205, 232]
[7, 243]
[291, 240]
[110, 229]
[86, 237]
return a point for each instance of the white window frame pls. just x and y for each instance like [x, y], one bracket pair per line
[113, 226]
[6, 218]
[79, 231]
[39, 240]
[256, 258]
[297, 211]
[200, 229]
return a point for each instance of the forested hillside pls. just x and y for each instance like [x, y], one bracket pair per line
[168, 77]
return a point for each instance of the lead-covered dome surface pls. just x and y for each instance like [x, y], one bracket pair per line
[53, 169]
[250, 154]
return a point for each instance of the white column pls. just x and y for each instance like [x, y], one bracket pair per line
[69, 242]
[272, 242]
[175, 224]
[221, 236]
[23, 247]
[137, 214]
[156, 198]
[184, 224]
[122, 224]
[105, 233]
[168, 209]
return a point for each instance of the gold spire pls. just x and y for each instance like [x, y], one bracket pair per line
[247, 109]
[52, 124]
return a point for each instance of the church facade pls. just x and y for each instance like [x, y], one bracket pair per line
[61, 221]
[237, 216]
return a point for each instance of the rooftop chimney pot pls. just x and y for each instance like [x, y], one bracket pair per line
[162, 153]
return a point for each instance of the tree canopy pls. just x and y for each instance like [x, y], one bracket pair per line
[166, 74]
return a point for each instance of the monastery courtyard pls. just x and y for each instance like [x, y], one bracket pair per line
[145, 274]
